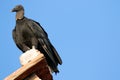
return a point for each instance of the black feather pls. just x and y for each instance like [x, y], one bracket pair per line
[28, 33]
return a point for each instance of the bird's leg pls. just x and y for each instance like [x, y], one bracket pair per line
[33, 47]
[34, 43]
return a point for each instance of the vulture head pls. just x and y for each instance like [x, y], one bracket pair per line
[19, 11]
[17, 8]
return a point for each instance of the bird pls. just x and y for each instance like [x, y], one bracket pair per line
[29, 34]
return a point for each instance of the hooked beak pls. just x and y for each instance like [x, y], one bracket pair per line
[14, 10]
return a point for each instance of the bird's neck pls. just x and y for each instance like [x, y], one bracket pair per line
[20, 15]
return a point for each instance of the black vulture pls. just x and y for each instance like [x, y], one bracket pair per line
[29, 34]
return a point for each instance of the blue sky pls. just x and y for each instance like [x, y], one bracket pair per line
[86, 33]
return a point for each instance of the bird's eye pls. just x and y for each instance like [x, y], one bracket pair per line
[19, 7]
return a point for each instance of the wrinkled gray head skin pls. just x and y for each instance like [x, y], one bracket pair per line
[19, 12]
[18, 8]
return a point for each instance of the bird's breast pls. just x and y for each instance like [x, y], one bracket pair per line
[24, 32]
